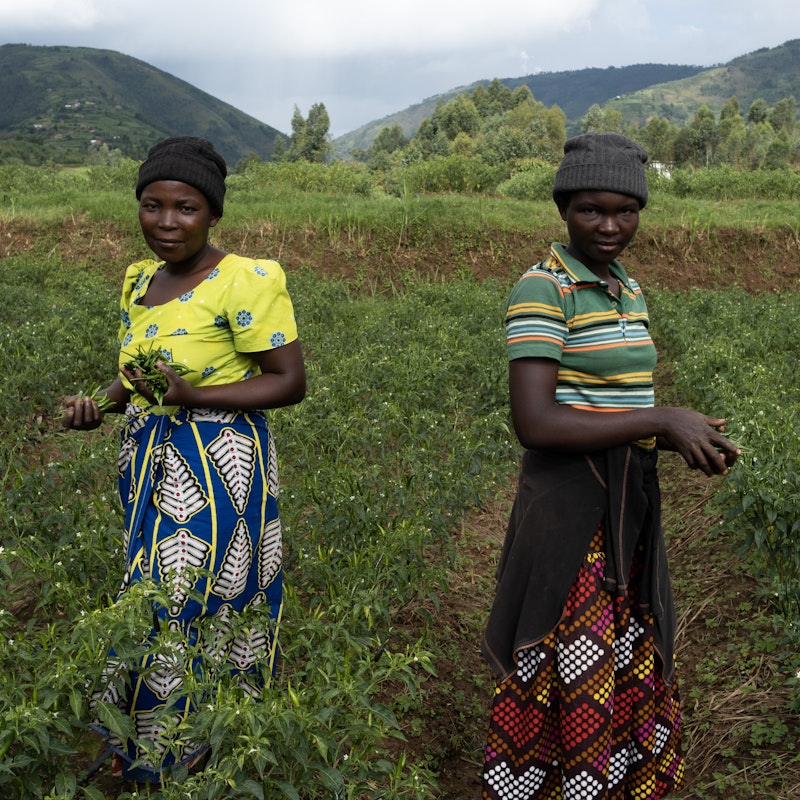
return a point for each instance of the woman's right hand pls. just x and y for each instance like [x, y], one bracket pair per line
[699, 440]
[81, 413]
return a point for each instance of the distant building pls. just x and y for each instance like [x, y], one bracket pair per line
[665, 170]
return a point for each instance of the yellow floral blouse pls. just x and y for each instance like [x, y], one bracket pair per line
[242, 307]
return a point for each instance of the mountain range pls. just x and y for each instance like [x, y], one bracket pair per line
[58, 104]
[673, 92]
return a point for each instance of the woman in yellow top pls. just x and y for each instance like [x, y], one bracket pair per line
[197, 468]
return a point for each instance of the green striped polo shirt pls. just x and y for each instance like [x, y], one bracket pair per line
[559, 309]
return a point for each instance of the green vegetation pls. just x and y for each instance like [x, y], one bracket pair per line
[496, 139]
[378, 467]
[396, 474]
[347, 198]
[628, 96]
[144, 364]
[573, 91]
[751, 377]
[763, 77]
[309, 140]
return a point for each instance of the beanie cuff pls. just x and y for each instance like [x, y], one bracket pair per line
[596, 177]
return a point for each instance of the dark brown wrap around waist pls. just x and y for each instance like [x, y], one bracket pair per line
[561, 500]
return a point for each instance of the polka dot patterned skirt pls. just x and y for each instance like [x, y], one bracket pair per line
[587, 715]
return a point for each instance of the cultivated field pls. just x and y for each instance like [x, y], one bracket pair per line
[398, 472]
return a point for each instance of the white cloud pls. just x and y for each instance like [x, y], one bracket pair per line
[327, 28]
[315, 28]
[34, 15]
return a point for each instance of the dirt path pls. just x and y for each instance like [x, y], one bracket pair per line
[726, 684]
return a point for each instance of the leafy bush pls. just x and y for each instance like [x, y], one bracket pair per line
[121, 177]
[338, 177]
[452, 173]
[725, 183]
[17, 179]
[531, 180]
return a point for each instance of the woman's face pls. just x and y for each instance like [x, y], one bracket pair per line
[600, 226]
[175, 220]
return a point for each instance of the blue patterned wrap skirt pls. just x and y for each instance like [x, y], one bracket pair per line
[199, 489]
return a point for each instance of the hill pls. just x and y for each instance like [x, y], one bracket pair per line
[767, 74]
[673, 92]
[59, 103]
[574, 92]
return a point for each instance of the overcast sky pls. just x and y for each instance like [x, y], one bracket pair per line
[366, 59]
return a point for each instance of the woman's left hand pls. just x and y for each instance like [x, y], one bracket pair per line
[179, 392]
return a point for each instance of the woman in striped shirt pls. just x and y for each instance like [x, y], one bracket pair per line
[581, 631]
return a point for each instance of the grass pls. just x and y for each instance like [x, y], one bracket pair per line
[315, 196]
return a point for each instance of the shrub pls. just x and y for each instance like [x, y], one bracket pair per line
[338, 177]
[121, 176]
[725, 183]
[452, 173]
[532, 180]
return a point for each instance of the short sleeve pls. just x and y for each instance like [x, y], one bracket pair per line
[136, 276]
[536, 319]
[258, 308]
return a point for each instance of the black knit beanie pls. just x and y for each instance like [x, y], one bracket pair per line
[188, 159]
[607, 162]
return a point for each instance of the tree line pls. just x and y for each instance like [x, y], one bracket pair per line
[495, 139]
[506, 128]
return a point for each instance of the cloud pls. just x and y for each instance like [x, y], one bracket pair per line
[416, 26]
[577, 32]
[312, 28]
[70, 14]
